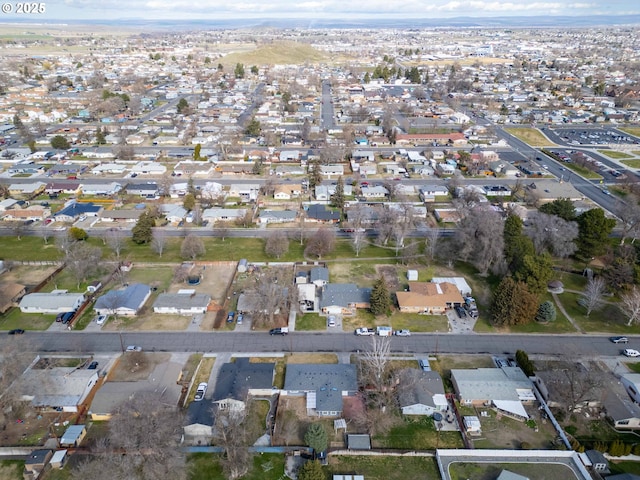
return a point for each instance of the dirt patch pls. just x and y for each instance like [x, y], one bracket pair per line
[215, 277]
[312, 358]
[28, 275]
[32, 428]
[390, 275]
[136, 366]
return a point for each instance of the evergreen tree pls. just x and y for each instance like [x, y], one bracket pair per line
[546, 312]
[311, 470]
[516, 244]
[535, 271]
[100, 138]
[337, 199]
[316, 437]
[367, 78]
[189, 202]
[524, 363]
[142, 232]
[513, 304]
[561, 207]
[196, 151]
[380, 300]
[593, 232]
[60, 143]
[182, 106]
[239, 70]
[315, 175]
[253, 128]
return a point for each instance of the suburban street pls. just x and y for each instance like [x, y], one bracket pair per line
[103, 342]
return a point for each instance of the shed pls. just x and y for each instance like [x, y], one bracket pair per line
[73, 436]
[242, 265]
[36, 461]
[412, 275]
[358, 442]
[59, 459]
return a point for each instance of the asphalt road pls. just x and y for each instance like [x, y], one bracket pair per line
[85, 342]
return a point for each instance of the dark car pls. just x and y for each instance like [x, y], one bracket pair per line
[66, 318]
[230, 317]
[92, 366]
[16, 331]
[279, 331]
[461, 312]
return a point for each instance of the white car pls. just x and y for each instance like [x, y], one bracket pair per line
[630, 352]
[134, 348]
[100, 319]
[402, 333]
[200, 391]
[331, 321]
[364, 331]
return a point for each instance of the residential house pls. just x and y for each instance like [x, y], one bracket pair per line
[287, 191]
[336, 170]
[32, 212]
[147, 190]
[421, 393]
[247, 192]
[321, 214]
[58, 301]
[190, 168]
[11, 294]
[8, 204]
[503, 388]
[277, 216]
[372, 192]
[216, 214]
[126, 216]
[74, 210]
[240, 379]
[429, 193]
[107, 189]
[319, 276]
[343, 298]
[174, 213]
[323, 385]
[185, 302]
[429, 298]
[149, 168]
[35, 463]
[57, 388]
[26, 189]
[321, 192]
[126, 302]
[70, 188]
[114, 168]
[507, 475]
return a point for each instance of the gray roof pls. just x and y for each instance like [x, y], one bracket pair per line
[56, 387]
[327, 380]
[358, 442]
[182, 300]
[37, 457]
[53, 301]
[237, 378]
[418, 387]
[343, 295]
[507, 475]
[72, 434]
[490, 383]
[319, 273]
[131, 297]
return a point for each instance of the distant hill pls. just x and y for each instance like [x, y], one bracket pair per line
[276, 53]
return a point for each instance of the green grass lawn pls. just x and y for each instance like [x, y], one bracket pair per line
[11, 469]
[531, 136]
[632, 163]
[419, 323]
[206, 466]
[615, 154]
[27, 321]
[310, 321]
[418, 434]
[631, 130]
[607, 319]
[539, 471]
[585, 172]
[385, 468]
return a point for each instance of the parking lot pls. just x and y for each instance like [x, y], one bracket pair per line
[577, 135]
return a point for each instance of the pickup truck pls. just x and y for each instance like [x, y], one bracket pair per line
[364, 331]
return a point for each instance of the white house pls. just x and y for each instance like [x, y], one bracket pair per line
[58, 301]
[186, 302]
[374, 192]
[213, 215]
[148, 168]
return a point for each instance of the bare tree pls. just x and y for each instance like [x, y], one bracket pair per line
[358, 240]
[230, 433]
[159, 241]
[14, 359]
[630, 305]
[45, 233]
[268, 298]
[375, 360]
[552, 233]
[479, 238]
[82, 259]
[192, 247]
[321, 243]
[143, 443]
[277, 244]
[385, 225]
[115, 238]
[431, 242]
[629, 214]
[592, 297]
[576, 383]
[165, 183]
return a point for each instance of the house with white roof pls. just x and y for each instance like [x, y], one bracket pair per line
[185, 302]
[216, 214]
[58, 301]
[148, 168]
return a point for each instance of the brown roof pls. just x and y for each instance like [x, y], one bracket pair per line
[429, 295]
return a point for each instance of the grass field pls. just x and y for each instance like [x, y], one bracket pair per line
[531, 136]
[631, 130]
[205, 466]
[585, 172]
[385, 468]
[27, 321]
[482, 471]
[615, 154]
[631, 163]
[607, 319]
[418, 434]
[310, 322]
[290, 53]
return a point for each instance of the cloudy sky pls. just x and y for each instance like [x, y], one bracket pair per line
[320, 9]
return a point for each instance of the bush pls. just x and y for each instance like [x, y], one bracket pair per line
[571, 430]
[524, 363]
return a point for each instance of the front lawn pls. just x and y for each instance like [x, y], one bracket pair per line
[419, 323]
[607, 319]
[310, 322]
[27, 321]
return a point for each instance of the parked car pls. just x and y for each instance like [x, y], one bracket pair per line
[402, 333]
[619, 339]
[424, 364]
[134, 348]
[16, 331]
[279, 331]
[331, 321]
[364, 331]
[100, 319]
[231, 316]
[66, 317]
[92, 366]
[630, 352]
[200, 391]
[240, 319]
[460, 311]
